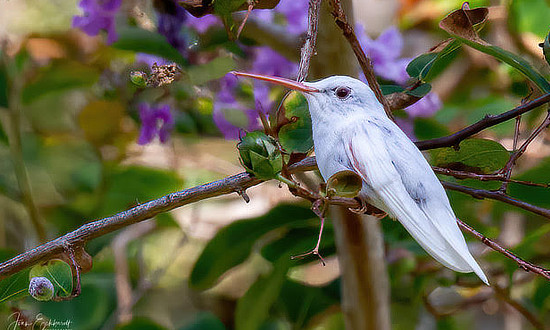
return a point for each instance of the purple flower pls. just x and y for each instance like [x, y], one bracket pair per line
[384, 53]
[170, 24]
[202, 24]
[295, 12]
[98, 15]
[155, 121]
[151, 59]
[426, 106]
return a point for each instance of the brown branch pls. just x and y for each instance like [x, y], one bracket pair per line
[485, 177]
[308, 49]
[525, 265]
[341, 20]
[497, 195]
[239, 183]
[488, 121]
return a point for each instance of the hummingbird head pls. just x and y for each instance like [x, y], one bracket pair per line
[335, 95]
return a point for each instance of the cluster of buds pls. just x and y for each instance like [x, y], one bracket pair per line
[260, 155]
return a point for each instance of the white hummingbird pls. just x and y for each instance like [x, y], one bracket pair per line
[352, 132]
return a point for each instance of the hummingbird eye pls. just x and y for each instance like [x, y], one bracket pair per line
[343, 92]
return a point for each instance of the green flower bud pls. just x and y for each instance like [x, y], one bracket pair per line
[41, 288]
[260, 155]
[138, 78]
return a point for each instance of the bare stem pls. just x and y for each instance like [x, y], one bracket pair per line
[308, 49]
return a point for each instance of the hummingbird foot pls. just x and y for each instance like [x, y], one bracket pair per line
[369, 209]
[314, 252]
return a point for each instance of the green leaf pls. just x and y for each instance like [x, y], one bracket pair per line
[344, 184]
[144, 41]
[253, 308]
[546, 48]
[429, 128]
[421, 90]
[534, 195]
[204, 320]
[59, 273]
[215, 69]
[529, 16]
[15, 286]
[460, 24]
[233, 243]
[3, 85]
[390, 89]
[427, 66]
[474, 155]
[300, 240]
[302, 303]
[90, 309]
[59, 77]
[141, 323]
[3, 135]
[295, 134]
[129, 185]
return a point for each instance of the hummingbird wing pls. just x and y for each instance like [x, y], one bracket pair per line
[403, 181]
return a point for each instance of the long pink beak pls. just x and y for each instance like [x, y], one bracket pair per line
[279, 81]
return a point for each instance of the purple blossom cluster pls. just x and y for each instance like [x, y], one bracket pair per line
[98, 15]
[155, 121]
[385, 53]
[265, 61]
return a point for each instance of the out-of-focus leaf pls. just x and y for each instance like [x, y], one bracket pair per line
[474, 155]
[88, 311]
[253, 308]
[204, 320]
[541, 296]
[59, 77]
[233, 243]
[427, 66]
[530, 16]
[3, 85]
[3, 135]
[301, 303]
[429, 128]
[59, 273]
[300, 240]
[133, 185]
[100, 120]
[421, 90]
[535, 195]
[460, 24]
[15, 286]
[295, 134]
[73, 165]
[144, 41]
[141, 323]
[546, 48]
[344, 184]
[215, 69]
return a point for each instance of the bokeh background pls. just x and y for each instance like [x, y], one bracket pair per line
[79, 141]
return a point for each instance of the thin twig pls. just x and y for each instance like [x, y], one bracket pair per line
[488, 121]
[507, 169]
[485, 177]
[364, 61]
[497, 195]
[525, 265]
[308, 49]
[243, 181]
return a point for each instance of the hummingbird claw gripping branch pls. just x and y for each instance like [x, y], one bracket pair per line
[351, 132]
